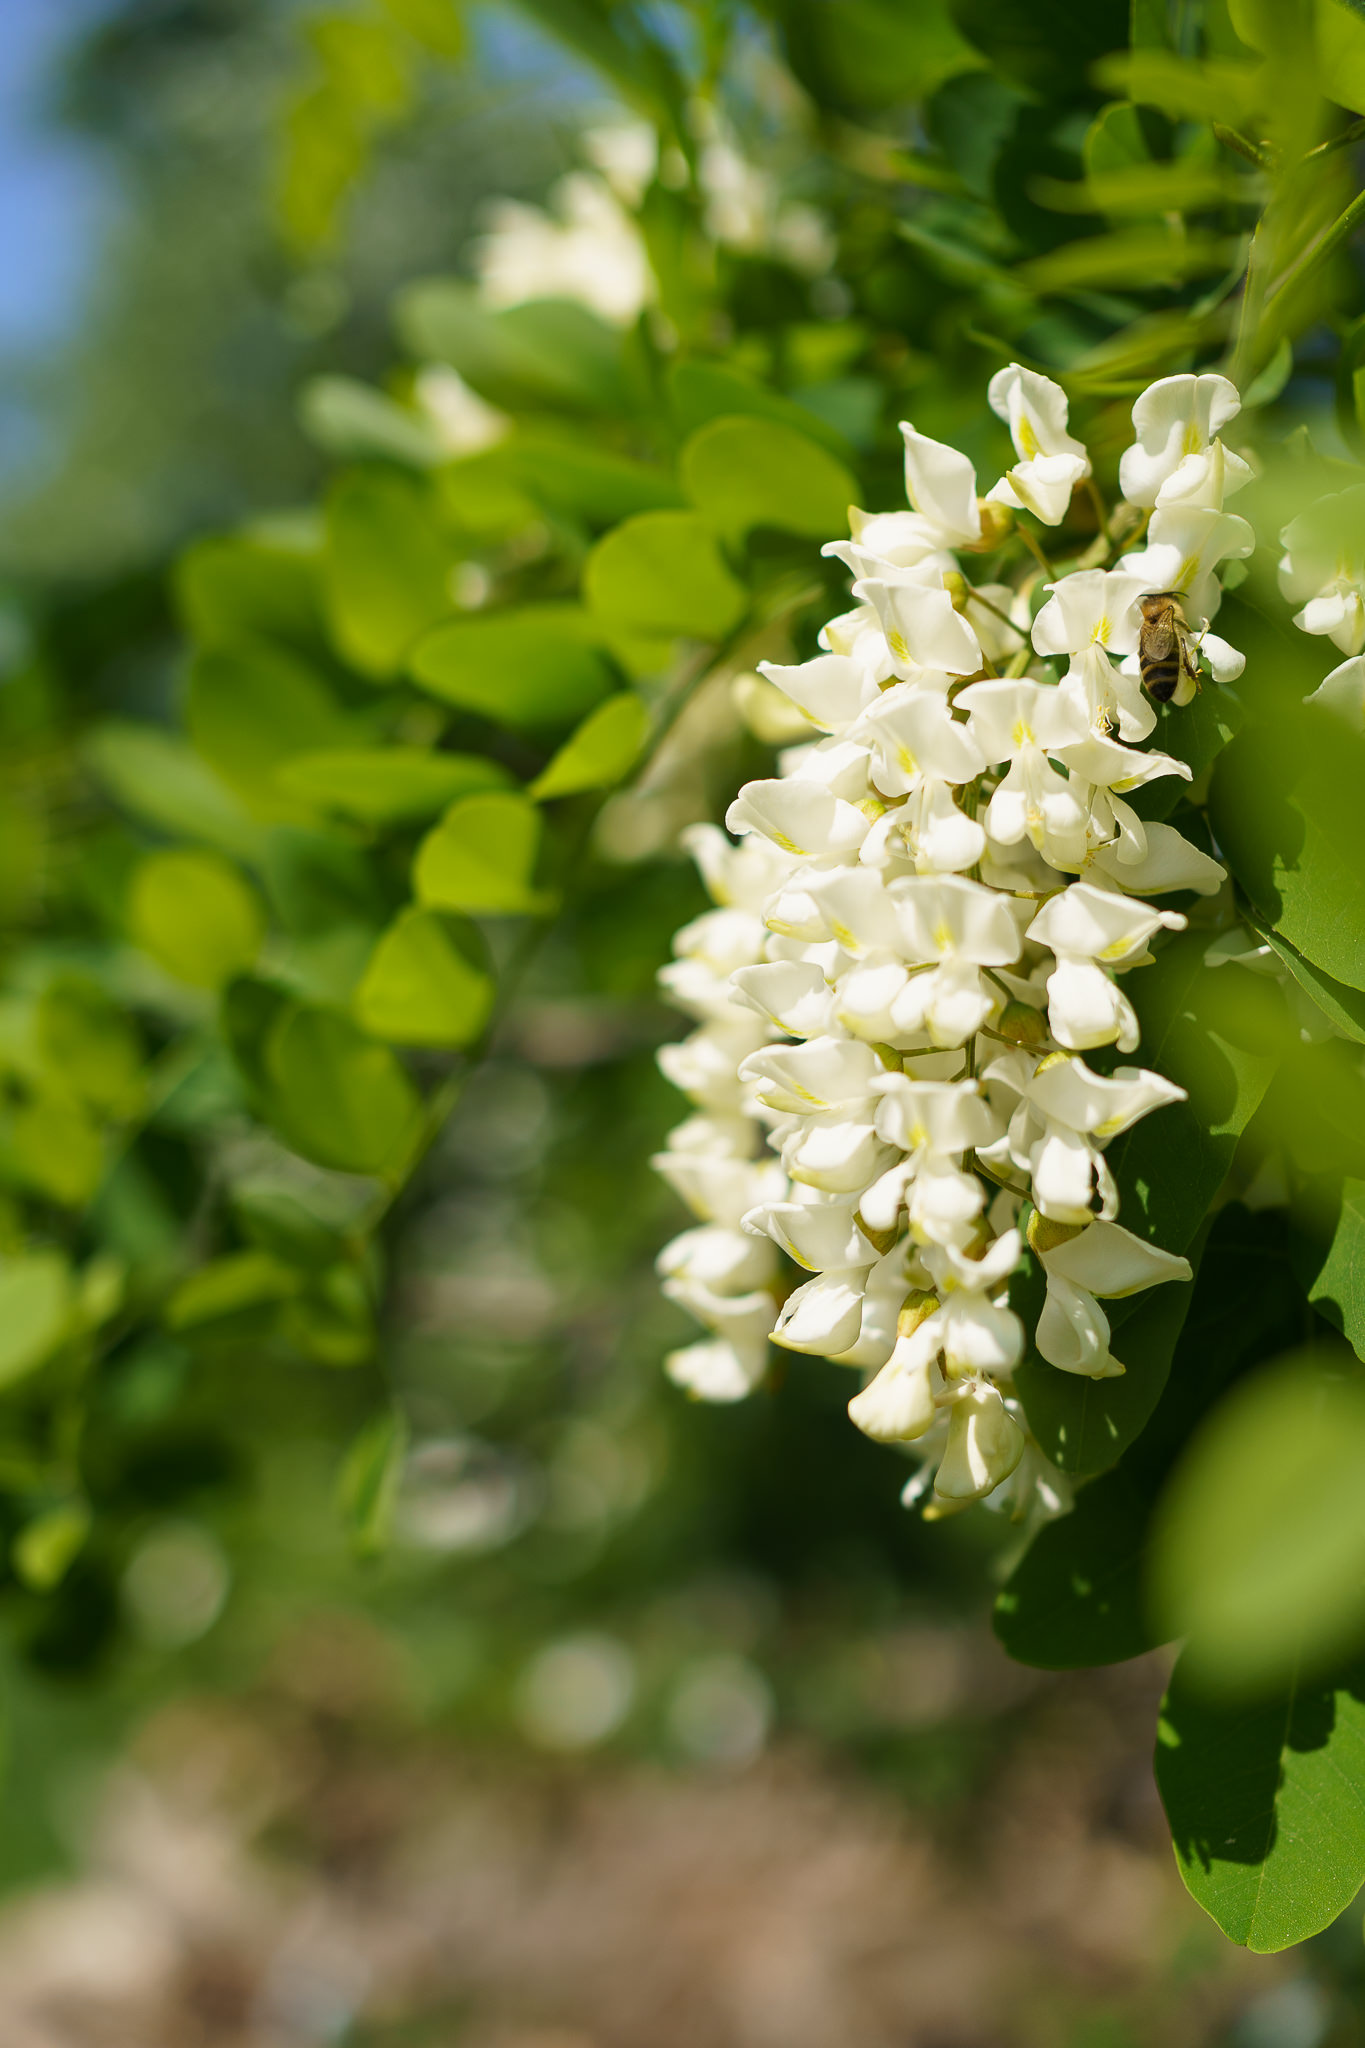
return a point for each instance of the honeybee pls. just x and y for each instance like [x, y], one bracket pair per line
[1170, 671]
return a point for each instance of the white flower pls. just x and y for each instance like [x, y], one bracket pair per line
[914, 738]
[830, 691]
[985, 1443]
[593, 252]
[1073, 1330]
[799, 818]
[1090, 615]
[1185, 544]
[1323, 568]
[1065, 1117]
[941, 486]
[1165, 860]
[1052, 461]
[1176, 421]
[1090, 929]
[726, 1260]
[1022, 722]
[1343, 691]
[824, 1316]
[821, 1233]
[933, 1123]
[922, 629]
[963, 927]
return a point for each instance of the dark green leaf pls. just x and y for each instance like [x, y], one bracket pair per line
[1336, 1276]
[705, 391]
[344, 1100]
[1267, 1805]
[240, 587]
[249, 709]
[1045, 46]
[368, 1483]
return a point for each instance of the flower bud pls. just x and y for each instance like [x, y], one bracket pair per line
[985, 1443]
[958, 589]
[1022, 1024]
[1044, 1235]
[915, 1309]
[997, 522]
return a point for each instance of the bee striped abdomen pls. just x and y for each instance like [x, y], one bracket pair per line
[1160, 678]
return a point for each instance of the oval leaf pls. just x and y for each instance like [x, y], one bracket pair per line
[603, 750]
[427, 983]
[196, 915]
[539, 666]
[742, 473]
[661, 573]
[480, 858]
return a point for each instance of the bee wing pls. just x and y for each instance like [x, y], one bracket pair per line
[1159, 640]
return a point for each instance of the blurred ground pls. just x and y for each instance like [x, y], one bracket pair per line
[280, 1870]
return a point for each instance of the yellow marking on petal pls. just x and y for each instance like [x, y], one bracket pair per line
[789, 845]
[796, 1088]
[943, 937]
[845, 937]
[1023, 734]
[1025, 440]
[1103, 629]
[1189, 569]
[918, 1136]
[1116, 950]
[1193, 442]
[895, 640]
[1108, 1127]
[907, 762]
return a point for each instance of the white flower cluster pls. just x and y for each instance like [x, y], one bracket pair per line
[920, 933]
[1323, 570]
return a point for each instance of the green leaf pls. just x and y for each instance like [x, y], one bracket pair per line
[1077, 1598]
[387, 785]
[93, 1045]
[163, 781]
[1258, 1547]
[585, 483]
[35, 1310]
[239, 587]
[354, 422]
[705, 391]
[320, 881]
[1336, 1276]
[277, 1222]
[196, 915]
[603, 750]
[386, 569]
[344, 1100]
[481, 858]
[662, 574]
[367, 1485]
[51, 1143]
[856, 55]
[549, 352]
[1345, 1007]
[331, 1322]
[228, 1290]
[45, 1549]
[1285, 806]
[539, 666]
[1266, 1805]
[427, 982]
[249, 709]
[437, 24]
[742, 473]
[1045, 46]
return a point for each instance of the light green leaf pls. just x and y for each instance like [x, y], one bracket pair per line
[51, 1142]
[481, 858]
[45, 1549]
[661, 574]
[1258, 1548]
[92, 1045]
[387, 785]
[539, 666]
[438, 24]
[742, 473]
[355, 422]
[1266, 1805]
[367, 1485]
[196, 915]
[161, 780]
[427, 983]
[343, 1100]
[603, 750]
[35, 1310]
[386, 569]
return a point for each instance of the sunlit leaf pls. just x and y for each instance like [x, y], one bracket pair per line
[541, 665]
[603, 750]
[387, 785]
[35, 1306]
[481, 858]
[196, 915]
[427, 982]
[742, 473]
[345, 1101]
[661, 573]
[386, 569]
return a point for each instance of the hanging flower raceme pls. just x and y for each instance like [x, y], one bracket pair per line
[924, 928]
